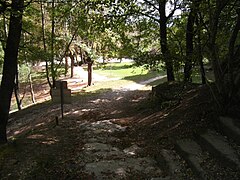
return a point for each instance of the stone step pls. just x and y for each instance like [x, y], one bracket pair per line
[218, 146]
[230, 129]
[172, 163]
[191, 152]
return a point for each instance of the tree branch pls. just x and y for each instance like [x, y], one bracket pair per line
[151, 4]
[117, 16]
[147, 14]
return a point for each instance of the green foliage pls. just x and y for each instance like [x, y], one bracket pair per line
[121, 29]
[23, 72]
[150, 60]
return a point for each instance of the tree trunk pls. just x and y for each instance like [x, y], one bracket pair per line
[18, 101]
[81, 55]
[66, 66]
[44, 44]
[215, 60]
[189, 47]
[232, 87]
[52, 45]
[5, 31]
[31, 87]
[104, 58]
[163, 40]
[201, 65]
[199, 53]
[72, 63]
[16, 92]
[214, 21]
[189, 40]
[214, 54]
[10, 65]
[90, 73]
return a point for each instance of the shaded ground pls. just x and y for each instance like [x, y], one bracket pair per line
[117, 134]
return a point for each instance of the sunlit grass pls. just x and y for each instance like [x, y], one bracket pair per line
[122, 74]
[120, 70]
[127, 71]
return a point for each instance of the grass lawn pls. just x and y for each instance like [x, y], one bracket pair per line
[122, 74]
[127, 71]
[124, 70]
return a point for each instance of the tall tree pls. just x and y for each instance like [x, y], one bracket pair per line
[225, 63]
[10, 65]
[199, 49]
[52, 45]
[163, 39]
[161, 11]
[44, 41]
[189, 40]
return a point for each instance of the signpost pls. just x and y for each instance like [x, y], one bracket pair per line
[61, 94]
[62, 97]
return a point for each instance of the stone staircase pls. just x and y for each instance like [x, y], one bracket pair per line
[213, 154]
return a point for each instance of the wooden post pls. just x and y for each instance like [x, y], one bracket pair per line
[90, 73]
[62, 101]
[56, 120]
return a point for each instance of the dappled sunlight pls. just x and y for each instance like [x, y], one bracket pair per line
[37, 120]
[174, 127]
[138, 99]
[123, 121]
[36, 136]
[40, 124]
[132, 150]
[50, 141]
[90, 122]
[90, 127]
[119, 98]
[144, 83]
[21, 130]
[100, 100]
[166, 114]
[120, 86]
[86, 110]
[106, 126]
[116, 112]
[76, 112]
